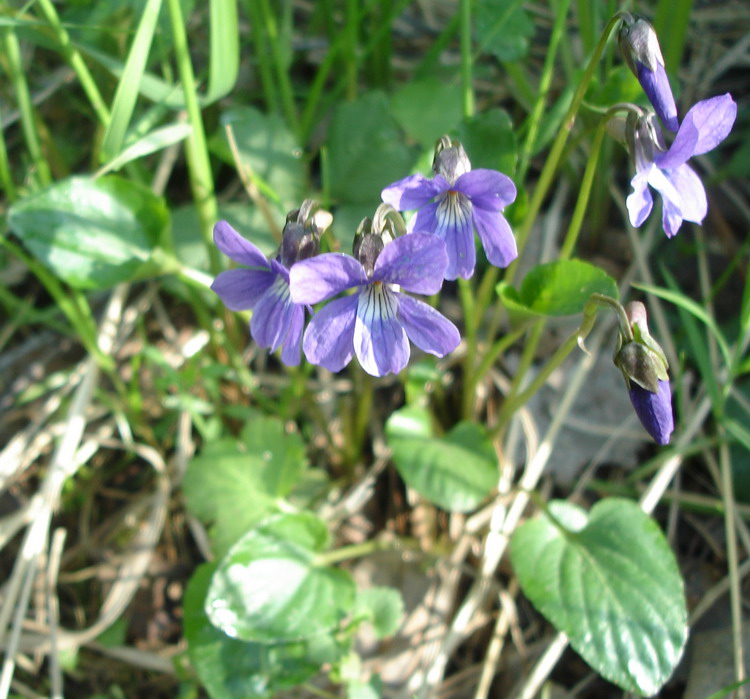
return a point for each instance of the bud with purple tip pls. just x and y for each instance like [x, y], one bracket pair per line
[640, 48]
[644, 367]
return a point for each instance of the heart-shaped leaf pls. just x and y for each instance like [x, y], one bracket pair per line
[233, 484]
[456, 471]
[270, 588]
[229, 668]
[609, 581]
[557, 288]
[92, 233]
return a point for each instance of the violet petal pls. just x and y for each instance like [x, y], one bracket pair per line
[292, 349]
[654, 410]
[272, 316]
[320, 277]
[240, 289]
[234, 246]
[498, 240]
[380, 341]
[454, 226]
[656, 86]
[487, 188]
[639, 202]
[328, 340]
[413, 192]
[417, 262]
[427, 328]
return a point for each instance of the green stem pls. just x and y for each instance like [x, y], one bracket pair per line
[25, 107]
[196, 149]
[492, 355]
[514, 402]
[265, 69]
[352, 35]
[6, 178]
[555, 155]
[346, 553]
[470, 335]
[583, 195]
[73, 305]
[467, 83]
[545, 81]
[76, 62]
[279, 64]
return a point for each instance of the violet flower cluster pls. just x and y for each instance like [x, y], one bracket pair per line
[369, 314]
[659, 166]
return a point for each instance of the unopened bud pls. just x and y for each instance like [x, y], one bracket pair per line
[450, 159]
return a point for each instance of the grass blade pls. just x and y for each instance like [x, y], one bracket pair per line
[127, 89]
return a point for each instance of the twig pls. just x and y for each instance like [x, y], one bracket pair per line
[63, 465]
[53, 612]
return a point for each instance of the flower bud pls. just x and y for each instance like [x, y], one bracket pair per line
[450, 159]
[640, 48]
[300, 238]
[644, 367]
[654, 410]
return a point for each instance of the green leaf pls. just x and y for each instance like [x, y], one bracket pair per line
[234, 484]
[383, 607]
[456, 472]
[229, 668]
[490, 141]
[270, 587]
[557, 289]
[91, 233]
[365, 150]
[267, 146]
[427, 109]
[611, 583]
[503, 28]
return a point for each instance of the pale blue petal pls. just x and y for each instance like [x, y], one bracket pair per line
[693, 206]
[704, 127]
[498, 240]
[233, 245]
[639, 202]
[380, 341]
[328, 340]
[427, 328]
[417, 262]
[454, 227]
[413, 191]
[318, 278]
[488, 189]
[241, 289]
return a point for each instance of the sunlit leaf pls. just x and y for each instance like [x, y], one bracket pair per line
[608, 580]
[92, 233]
[557, 288]
[456, 472]
[270, 587]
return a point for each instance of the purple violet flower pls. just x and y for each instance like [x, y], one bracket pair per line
[654, 410]
[277, 321]
[640, 47]
[706, 125]
[454, 203]
[377, 321]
